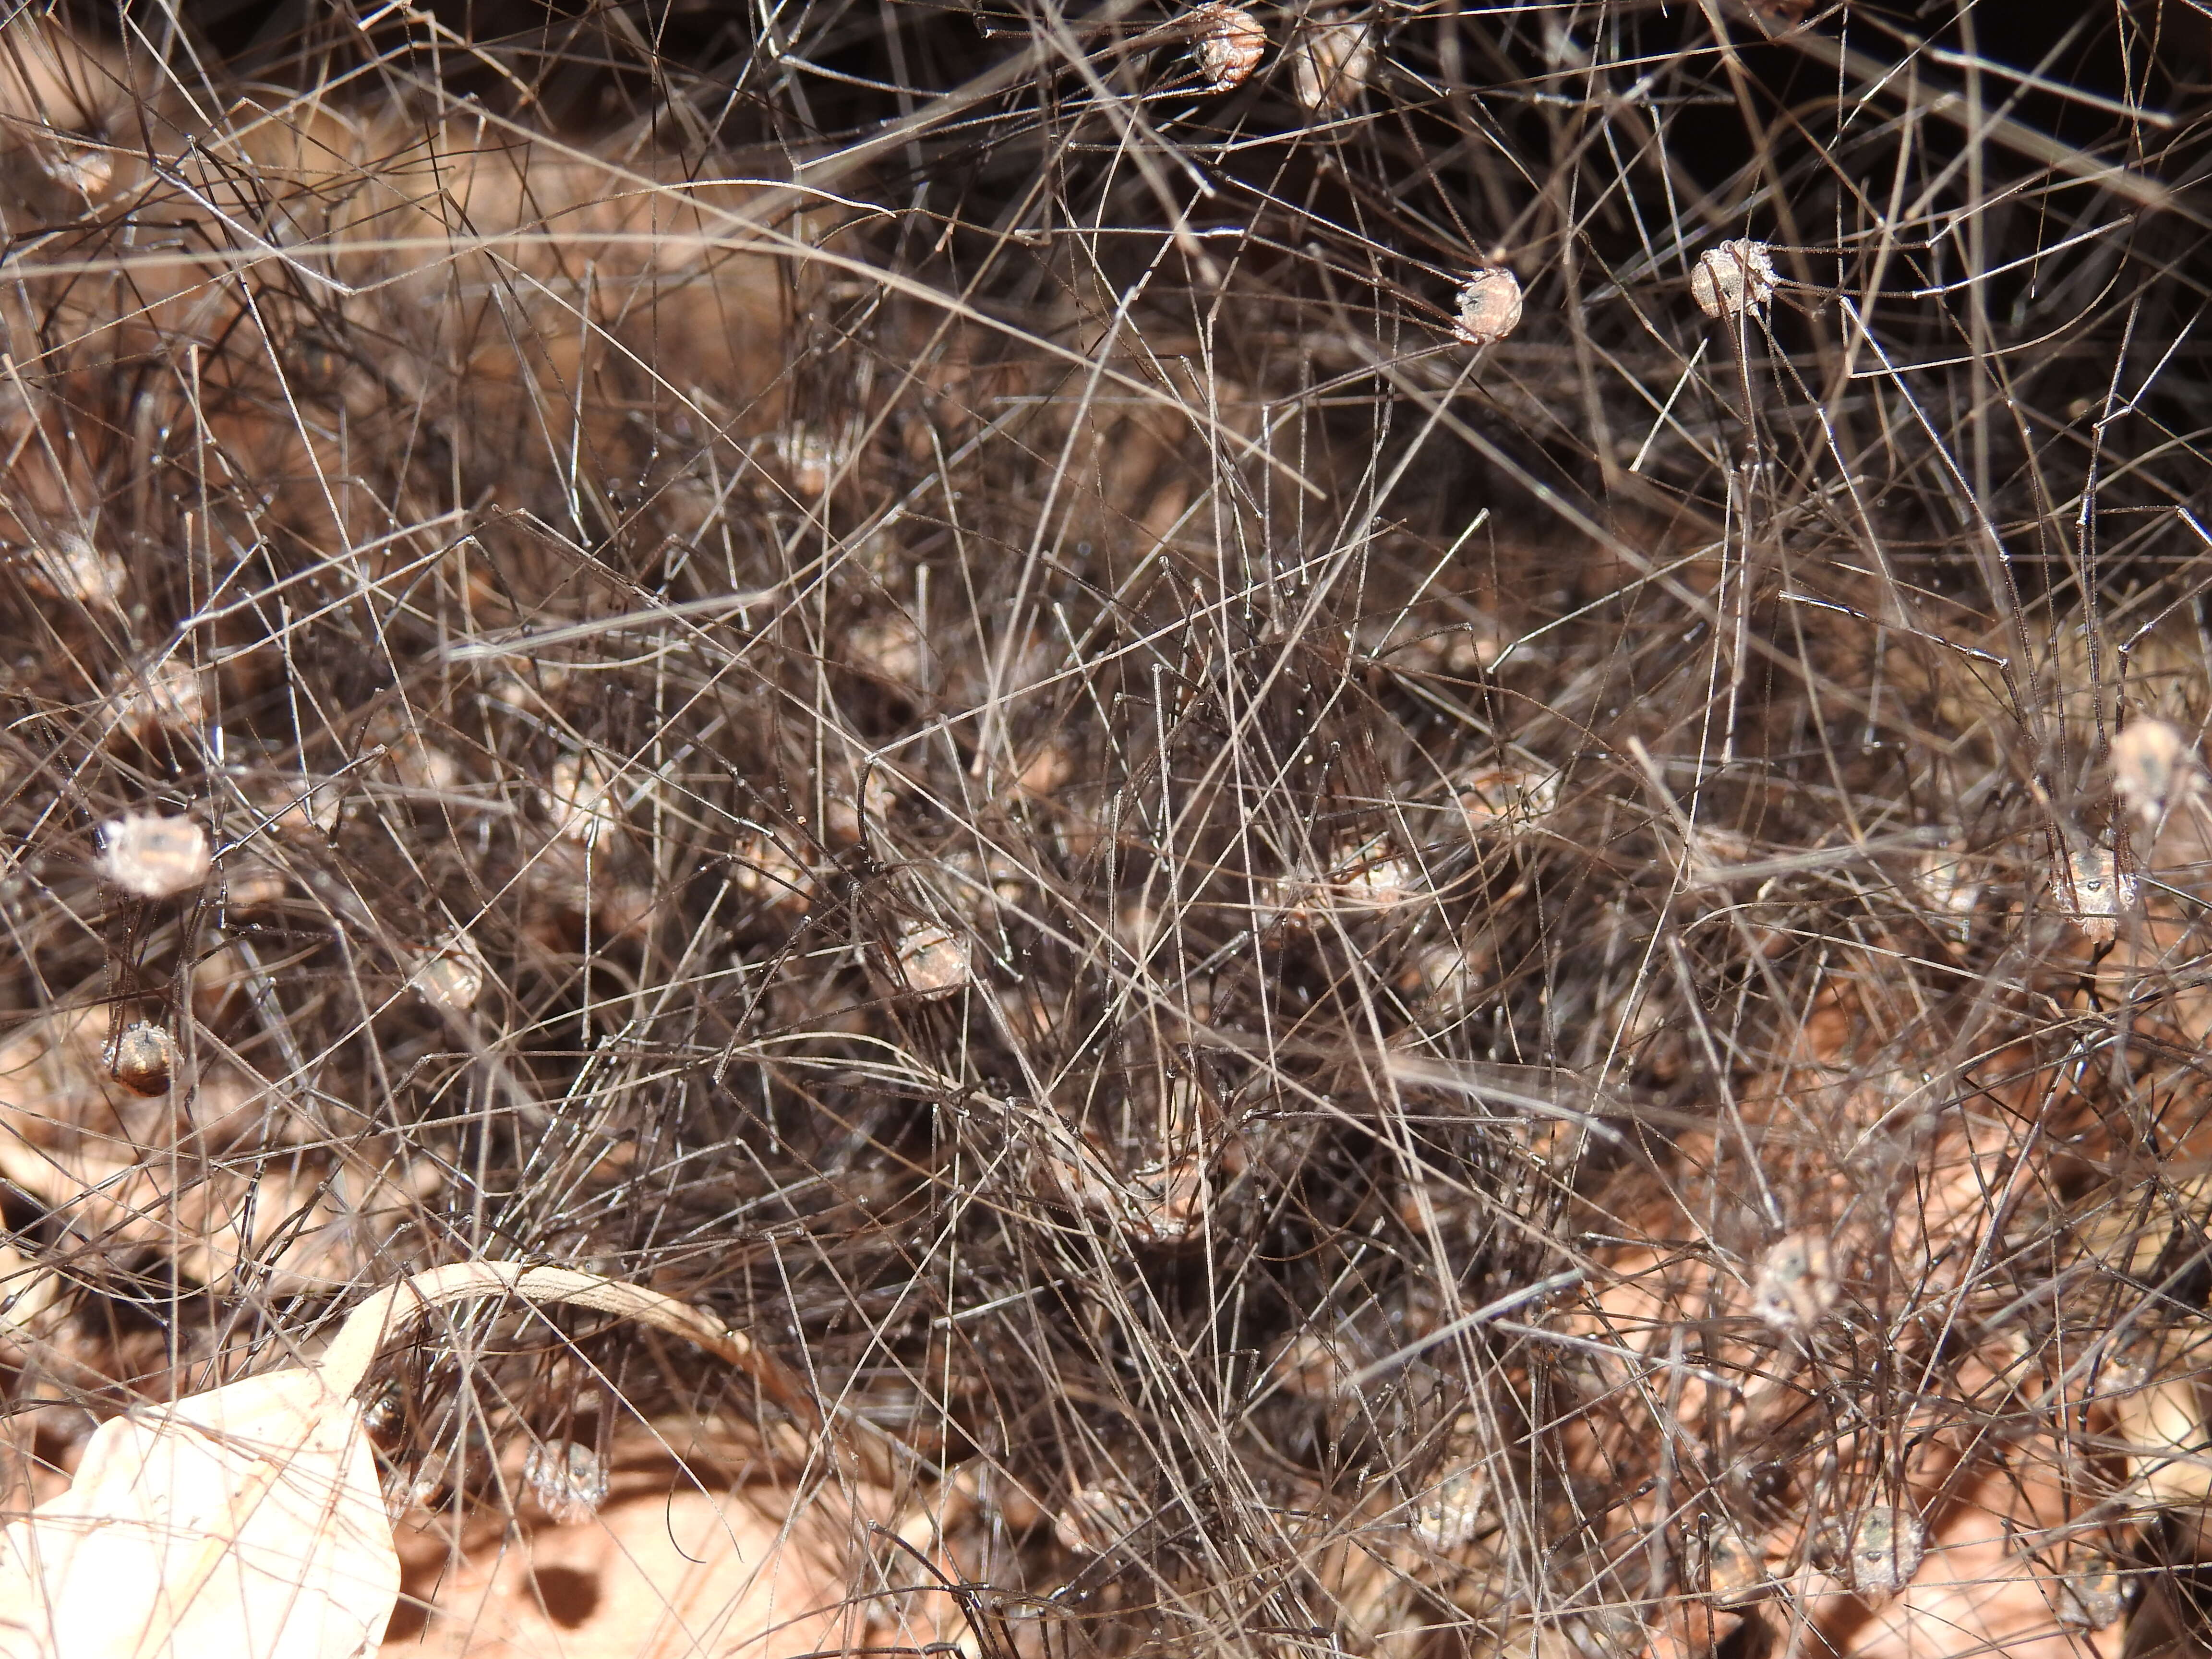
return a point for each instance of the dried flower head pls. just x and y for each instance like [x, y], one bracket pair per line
[143, 1059]
[1489, 306]
[153, 857]
[2153, 771]
[1735, 278]
[1330, 66]
[1229, 43]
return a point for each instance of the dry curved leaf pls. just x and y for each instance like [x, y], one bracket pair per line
[247, 1522]
[244, 1521]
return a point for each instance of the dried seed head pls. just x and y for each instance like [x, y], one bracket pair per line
[2153, 771]
[1732, 278]
[1330, 67]
[1797, 1283]
[143, 1059]
[153, 857]
[568, 1479]
[1229, 44]
[1881, 1553]
[931, 961]
[1489, 306]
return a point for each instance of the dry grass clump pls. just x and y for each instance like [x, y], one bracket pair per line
[1374, 977]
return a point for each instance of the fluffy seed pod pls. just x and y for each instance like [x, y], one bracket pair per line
[1229, 43]
[143, 1059]
[1489, 306]
[153, 857]
[1733, 278]
[1330, 67]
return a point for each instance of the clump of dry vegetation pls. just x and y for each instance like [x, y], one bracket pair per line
[1389, 819]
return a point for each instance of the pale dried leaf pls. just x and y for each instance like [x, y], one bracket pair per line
[246, 1521]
